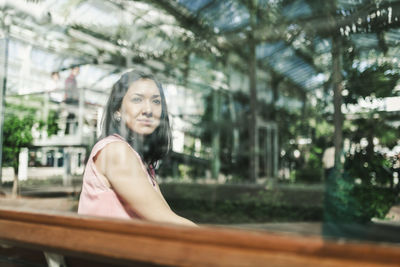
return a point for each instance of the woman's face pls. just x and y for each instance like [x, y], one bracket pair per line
[141, 107]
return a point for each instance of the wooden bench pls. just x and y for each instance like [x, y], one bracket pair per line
[87, 241]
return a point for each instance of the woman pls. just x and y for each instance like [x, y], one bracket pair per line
[119, 179]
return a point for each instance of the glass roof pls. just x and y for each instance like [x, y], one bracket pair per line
[97, 33]
[284, 60]
[297, 9]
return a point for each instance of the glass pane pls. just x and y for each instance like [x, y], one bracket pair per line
[284, 114]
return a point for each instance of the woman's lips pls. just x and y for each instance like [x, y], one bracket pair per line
[146, 122]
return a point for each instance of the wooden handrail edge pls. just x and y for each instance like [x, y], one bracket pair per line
[213, 237]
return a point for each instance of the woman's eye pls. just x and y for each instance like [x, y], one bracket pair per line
[136, 100]
[157, 101]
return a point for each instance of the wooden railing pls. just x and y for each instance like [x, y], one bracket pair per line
[138, 243]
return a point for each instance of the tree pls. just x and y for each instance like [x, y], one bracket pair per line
[17, 134]
[52, 125]
[366, 187]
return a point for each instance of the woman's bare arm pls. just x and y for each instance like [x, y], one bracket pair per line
[121, 166]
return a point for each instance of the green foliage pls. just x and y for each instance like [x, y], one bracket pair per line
[365, 189]
[18, 125]
[371, 169]
[312, 171]
[389, 137]
[366, 127]
[240, 204]
[309, 174]
[340, 204]
[374, 202]
[52, 123]
[17, 134]
[323, 129]
[348, 202]
[376, 81]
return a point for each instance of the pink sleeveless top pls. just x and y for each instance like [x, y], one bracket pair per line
[97, 198]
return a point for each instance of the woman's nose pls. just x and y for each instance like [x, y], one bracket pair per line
[147, 109]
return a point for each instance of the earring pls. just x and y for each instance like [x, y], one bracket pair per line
[117, 117]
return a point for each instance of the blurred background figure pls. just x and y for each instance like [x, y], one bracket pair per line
[71, 87]
[328, 160]
[71, 98]
[54, 87]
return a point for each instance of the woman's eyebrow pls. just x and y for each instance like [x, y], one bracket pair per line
[142, 95]
[137, 94]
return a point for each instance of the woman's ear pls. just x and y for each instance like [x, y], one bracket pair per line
[117, 115]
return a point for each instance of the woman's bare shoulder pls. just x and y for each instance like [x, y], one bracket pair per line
[116, 145]
[117, 151]
[115, 157]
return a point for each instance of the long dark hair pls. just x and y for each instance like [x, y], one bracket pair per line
[152, 147]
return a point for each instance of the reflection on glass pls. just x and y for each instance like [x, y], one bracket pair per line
[119, 179]
[284, 114]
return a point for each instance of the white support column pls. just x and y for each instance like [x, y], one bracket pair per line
[23, 164]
